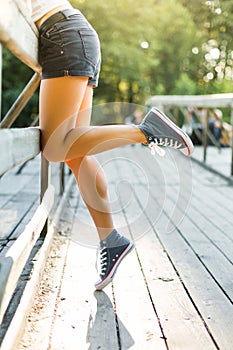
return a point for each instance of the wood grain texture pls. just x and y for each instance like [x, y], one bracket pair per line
[17, 146]
[19, 252]
[20, 37]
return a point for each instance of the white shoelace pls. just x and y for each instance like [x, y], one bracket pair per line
[155, 146]
[103, 261]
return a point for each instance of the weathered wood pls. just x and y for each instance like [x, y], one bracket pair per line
[19, 36]
[13, 212]
[232, 140]
[57, 259]
[20, 250]
[17, 146]
[45, 181]
[205, 101]
[195, 267]
[16, 327]
[0, 82]
[83, 317]
[179, 320]
[139, 326]
[194, 312]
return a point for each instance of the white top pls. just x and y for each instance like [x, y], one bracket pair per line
[39, 8]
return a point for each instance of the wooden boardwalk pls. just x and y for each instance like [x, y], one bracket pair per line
[217, 160]
[174, 291]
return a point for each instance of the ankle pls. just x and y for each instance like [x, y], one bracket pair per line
[114, 239]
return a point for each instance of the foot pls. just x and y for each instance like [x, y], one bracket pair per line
[110, 259]
[161, 131]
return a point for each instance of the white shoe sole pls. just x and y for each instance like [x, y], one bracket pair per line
[186, 139]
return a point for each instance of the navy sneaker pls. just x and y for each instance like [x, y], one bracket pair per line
[110, 259]
[161, 131]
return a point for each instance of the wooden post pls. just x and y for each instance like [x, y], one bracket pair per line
[205, 134]
[62, 178]
[232, 139]
[0, 82]
[44, 183]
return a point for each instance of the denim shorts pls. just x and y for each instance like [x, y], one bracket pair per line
[69, 47]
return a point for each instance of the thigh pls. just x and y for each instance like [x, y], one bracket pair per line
[60, 102]
[84, 115]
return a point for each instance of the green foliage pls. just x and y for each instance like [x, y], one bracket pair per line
[15, 76]
[151, 47]
[184, 86]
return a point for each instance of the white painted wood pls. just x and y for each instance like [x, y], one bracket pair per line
[0, 82]
[12, 263]
[183, 291]
[211, 101]
[16, 327]
[18, 32]
[210, 299]
[179, 320]
[83, 319]
[57, 260]
[138, 323]
[17, 146]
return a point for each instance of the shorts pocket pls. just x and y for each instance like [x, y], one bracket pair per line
[91, 45]
[50, 46]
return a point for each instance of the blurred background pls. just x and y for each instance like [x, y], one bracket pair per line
[152, 47]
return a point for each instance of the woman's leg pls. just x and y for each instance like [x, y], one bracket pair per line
[91, 178]
[60, 101]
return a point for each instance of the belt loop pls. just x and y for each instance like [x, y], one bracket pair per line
[63, 12]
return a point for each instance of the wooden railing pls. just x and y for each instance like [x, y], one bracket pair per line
[17, 145]
[207, 102]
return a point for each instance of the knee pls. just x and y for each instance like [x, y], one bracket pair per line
[74, 164]
[52, 157]
[54, 148]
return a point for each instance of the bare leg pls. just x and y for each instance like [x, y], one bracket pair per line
[60, 101]
[91, 178]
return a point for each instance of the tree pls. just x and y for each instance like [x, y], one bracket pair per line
[15, 76]
[173, 35]
[144, 46]
[212, 58]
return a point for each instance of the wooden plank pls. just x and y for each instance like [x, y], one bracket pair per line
[18, 230]
[0, 81]
[16, 327]
[213, 305]
[83, 320]
[13, 212]
[19, 36]
[139, 327]
[21, 249]
[39, 323]
[204, 246]
[210, 255]
[182, 325]
[17, 146]
[40, 319]
[178, 317]
[211, 101]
